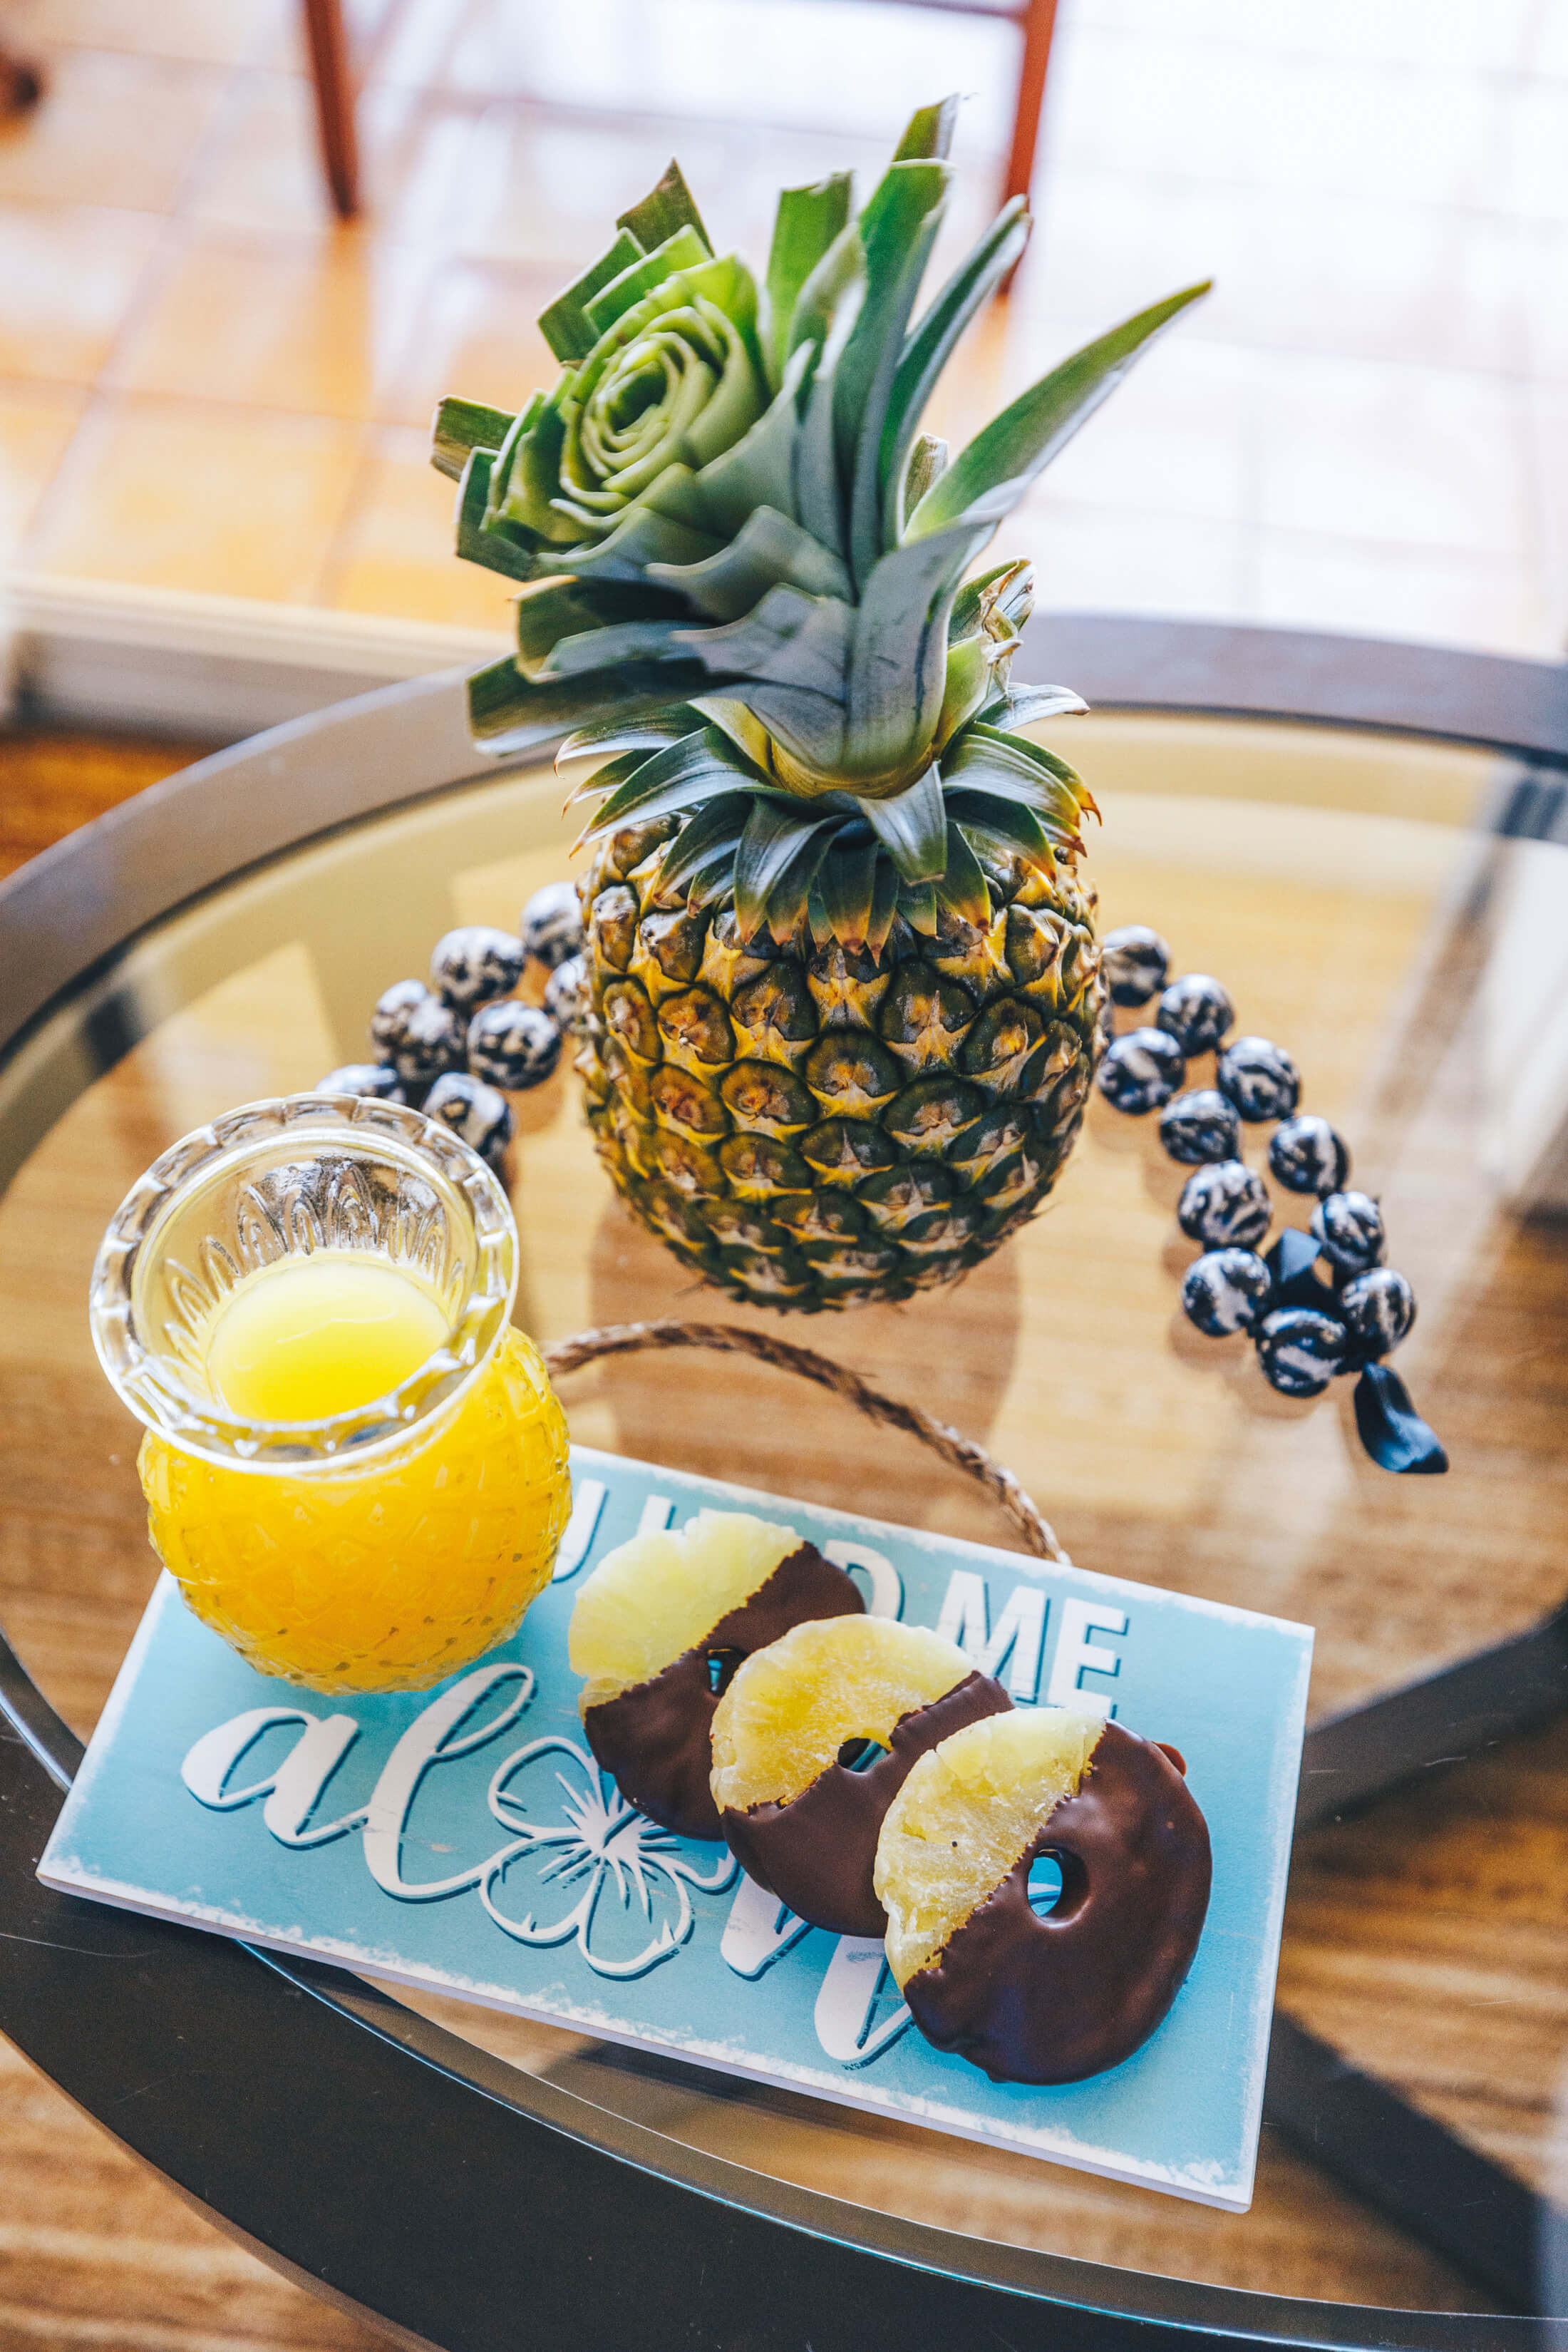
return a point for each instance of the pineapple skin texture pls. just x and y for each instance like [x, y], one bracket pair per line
[815, 1129]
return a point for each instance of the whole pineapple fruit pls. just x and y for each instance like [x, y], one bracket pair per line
[846, 997]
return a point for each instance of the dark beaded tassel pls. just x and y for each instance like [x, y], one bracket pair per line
[1315, 1304]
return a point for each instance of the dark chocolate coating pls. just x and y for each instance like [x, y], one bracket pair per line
[1054, 2000]
[655, 1739]
[817, 1853]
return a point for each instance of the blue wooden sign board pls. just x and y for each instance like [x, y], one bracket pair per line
[463, 1839]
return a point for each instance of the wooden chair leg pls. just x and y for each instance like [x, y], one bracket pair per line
[21, 84]
[329, 48]
[1038, 24]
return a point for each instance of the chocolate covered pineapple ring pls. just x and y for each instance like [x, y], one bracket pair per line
[658, 1629]
[801, 1819]
[1032, 1998]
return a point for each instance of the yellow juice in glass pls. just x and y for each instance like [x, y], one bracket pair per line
[371, 1480]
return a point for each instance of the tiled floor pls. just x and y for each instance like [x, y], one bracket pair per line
[205, 384]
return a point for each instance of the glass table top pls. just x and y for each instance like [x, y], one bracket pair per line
[1348, 891]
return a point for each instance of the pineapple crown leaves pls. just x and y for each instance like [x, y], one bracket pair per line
[728, 529]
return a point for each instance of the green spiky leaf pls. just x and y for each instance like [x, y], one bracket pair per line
[606, 779]
[565, 324]
[501, 549]
[683, 775]
[988, 740]
[928, 132]
[1021, 787]
[1005, 454]
[932, 345]
[913, 828]
[961, 885]
[718, 826]
[807, 223]
[1004, 825]
[917, 905]
[768, 551]
[775, 848]
[685, 250]
[883, 906]
[664, 210]
[608, 736]
[556, 612]
[898, 228]
[897, 669]
[461, 427]
[846, 879]
[506, 714]
[927, 460]
[1026, 706]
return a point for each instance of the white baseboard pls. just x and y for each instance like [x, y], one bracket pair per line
[163, 661]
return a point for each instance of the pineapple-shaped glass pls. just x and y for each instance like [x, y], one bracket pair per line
[354, 1466]
[846, 998]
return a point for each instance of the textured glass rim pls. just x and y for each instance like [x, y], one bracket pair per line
[143, 1378]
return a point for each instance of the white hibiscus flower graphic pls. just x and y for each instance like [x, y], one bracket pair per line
[597, 1846]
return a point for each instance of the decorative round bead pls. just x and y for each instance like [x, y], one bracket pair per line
[1260, 1077]
[1348, 1227]
[513, 1046]
[478, 1113]
[1224, 1291]
[1141, 1070]
[393, 1007]
[475, 964]
[1305, 1155]
[1300, 1351]
[1224, 1205]
[551, 926]
[1200, 1126]
[1195, 1011]
[432, 1042]
[377, 1079]
[1134, 961]
[1377, 1309]
[567, 995]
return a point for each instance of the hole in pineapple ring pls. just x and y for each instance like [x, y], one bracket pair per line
[1045, 1885]
[1056, 1883]
[858, 1755]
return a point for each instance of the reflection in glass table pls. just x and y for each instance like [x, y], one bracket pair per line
[1375, 902]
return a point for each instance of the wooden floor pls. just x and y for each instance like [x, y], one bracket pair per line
[1430, 1941]
[95, 2250]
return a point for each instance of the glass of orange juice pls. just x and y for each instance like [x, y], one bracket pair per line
[354, 1464]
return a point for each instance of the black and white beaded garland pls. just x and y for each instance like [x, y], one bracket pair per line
[1142, 1070]
[457, 1047]
[513, 1044]
[1200, 1125]
[1315, 1304]
[475, 964]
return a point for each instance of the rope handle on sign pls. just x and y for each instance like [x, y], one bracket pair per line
[733, 1339]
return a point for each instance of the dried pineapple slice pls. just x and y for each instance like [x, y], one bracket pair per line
[800, 1807]
[966, 1814]
[792, 1706]
[1060, 1992]
[659, 1594]
[657, 1630]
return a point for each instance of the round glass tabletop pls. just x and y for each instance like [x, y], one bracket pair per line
[1363, 906]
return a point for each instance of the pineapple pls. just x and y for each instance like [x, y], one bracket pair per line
[845, 993]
